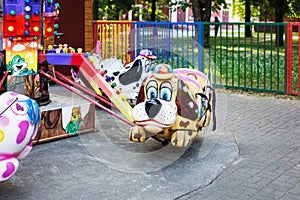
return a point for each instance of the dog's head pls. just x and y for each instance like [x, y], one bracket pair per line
[162, 99]
[129, 79]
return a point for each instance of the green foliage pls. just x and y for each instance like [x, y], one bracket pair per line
[111, 9]
[238, 9]
[159, 15]
[293, 9]
[265, 9]
[216, 4]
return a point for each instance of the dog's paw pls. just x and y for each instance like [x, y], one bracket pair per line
[137, 134]
[182, 138]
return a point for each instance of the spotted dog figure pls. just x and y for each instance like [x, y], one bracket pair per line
[128, 79]
[169, 108]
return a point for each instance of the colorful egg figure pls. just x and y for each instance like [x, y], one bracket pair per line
[19, 122]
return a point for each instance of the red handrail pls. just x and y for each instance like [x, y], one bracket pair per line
[3, 78]
[86, 98]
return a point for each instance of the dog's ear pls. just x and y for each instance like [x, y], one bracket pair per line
[134, 74]
[141, 96]
[186, 106]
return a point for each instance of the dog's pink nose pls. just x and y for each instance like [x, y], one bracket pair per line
[152, 107]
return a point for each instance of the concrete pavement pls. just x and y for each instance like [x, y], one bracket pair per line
[254, 154]
[268, 134]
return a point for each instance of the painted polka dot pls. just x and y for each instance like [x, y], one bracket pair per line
[2, 135]
[10, 169]
[13, 94]
[10, 101]
[23, 131]
[4, 121]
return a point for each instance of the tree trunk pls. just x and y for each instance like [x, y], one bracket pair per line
[206, 18]
[247, 18]
[153, 7]
[202, 13]
[95, 9]
[197, 10]
[197, 13]
[279, 12]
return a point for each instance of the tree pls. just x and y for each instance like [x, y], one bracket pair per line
[246, 13]
[202, 10]
[111, 9]
[153, 10]
[284, 9]
[281, 9]
[95, 9]
[248, 31]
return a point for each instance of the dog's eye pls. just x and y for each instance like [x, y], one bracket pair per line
[149, 67]
[152, 93]
[152, 67]
[165, 94]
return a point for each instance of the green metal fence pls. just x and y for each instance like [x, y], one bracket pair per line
[256, 62]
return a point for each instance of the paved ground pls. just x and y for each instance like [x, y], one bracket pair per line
[268, 135]
[254, 154]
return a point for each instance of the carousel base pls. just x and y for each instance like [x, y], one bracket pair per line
[65, 117]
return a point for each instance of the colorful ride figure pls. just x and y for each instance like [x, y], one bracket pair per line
[127, 80]
[19, 122]
[169, 107]
[18, 66]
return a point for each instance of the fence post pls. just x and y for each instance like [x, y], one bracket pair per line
[200, 47]
[95, 30]
[298, 28]
[289, 58]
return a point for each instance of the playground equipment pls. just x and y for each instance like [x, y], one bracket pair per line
[24, 34]
[172, 106]
[120, 85]
[95, 79]
[27, 25]
[127, 79]
[19, 122]
[23, 37]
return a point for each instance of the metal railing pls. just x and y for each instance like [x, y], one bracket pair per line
[114, 39]
[173, 43]
[293, 58]
[257, 62]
